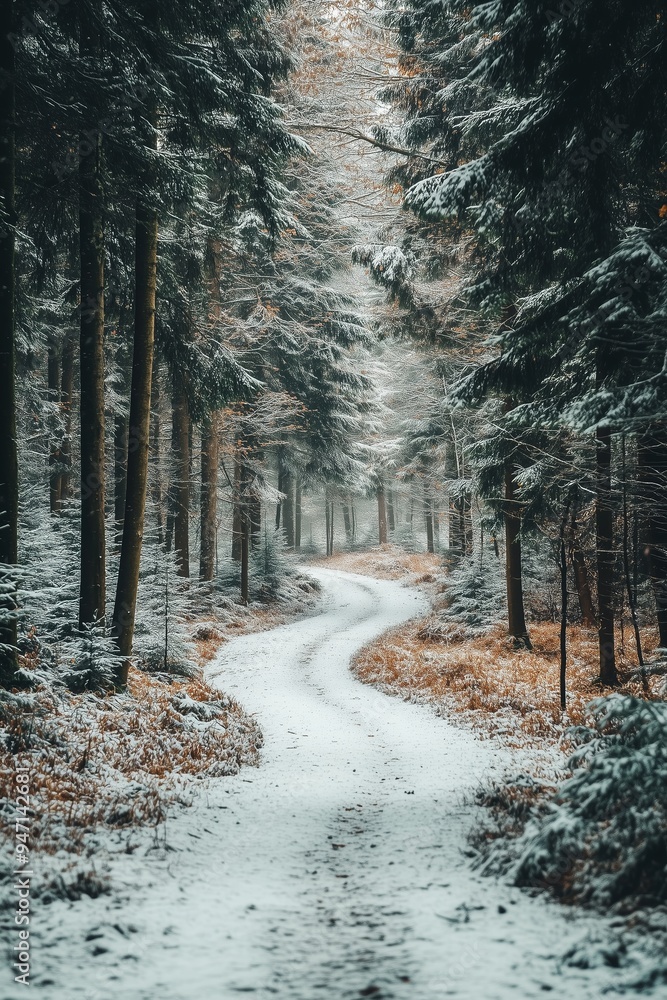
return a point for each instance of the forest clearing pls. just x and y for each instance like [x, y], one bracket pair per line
[333, 499]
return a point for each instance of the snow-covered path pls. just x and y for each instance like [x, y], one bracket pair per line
[335, 870]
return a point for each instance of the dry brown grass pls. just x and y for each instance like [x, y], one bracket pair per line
[513, 694]
[387, 562]
[117, 761]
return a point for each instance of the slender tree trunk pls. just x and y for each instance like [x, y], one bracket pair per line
[583, 586]
[382, 514]
[515, 609]
[210, 427]
[121, 445]
[297, 513]
[626, 573]
[92, 595]
[428, 516]
[157, 488]
[237, 526]
[563, 611]
[55, 456]
[9, 480]
[66, 394]
[245, 558]
[467, 527]
[606, 557]
[391, 520]
[146, 242]
[326, 522]
[347, 522]
[181, 457]
[209, 496]
[435, 514]
[281, 489]
[255, 517]
[288, 511]
[653, 478]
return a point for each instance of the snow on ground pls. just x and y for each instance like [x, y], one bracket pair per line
[336, 869]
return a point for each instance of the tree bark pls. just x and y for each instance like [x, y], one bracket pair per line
[563, 611]
[428, 516]
[157, 488]
[288, 509]
[653, 478]
[516, 618]
[55, 455]
[382, 514]
[245, 555]
[391, 519]
[583, 586]
[280, 490]
[209, 496]
[255, 517]
[9, 479]
[181, 458]
[121, 445]
[92, 594]
[347, 522]
[66, 394]
[237, 527]
[146, 242]
[606, 557]
[297, 513]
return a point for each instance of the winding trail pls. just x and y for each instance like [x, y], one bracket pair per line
[336, 869]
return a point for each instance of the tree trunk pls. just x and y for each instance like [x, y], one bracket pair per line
[55, 456]
[281, 489]
[245, 554]
[382, 514]
[92, 595]
[653, 478]
[583, 586]
[66, 393]
[181, 458]
[288, 511]
[255, 518]
[121, 444]
[297, 513]
[209, 496]
[146, 242]
[391, 520]
[515, 609]
[428, 516]
[157, 489]
[435, 514]
[467, 527]
[606, 557]
[9, 491]
[563, 612]
[347, 522]
[237, 527]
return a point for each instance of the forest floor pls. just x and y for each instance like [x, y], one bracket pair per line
[104, 765]
[335, 868]
[512, 694]
[485, 682]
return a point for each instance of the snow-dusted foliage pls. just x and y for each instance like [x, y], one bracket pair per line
[601, 840]
[475, 601]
